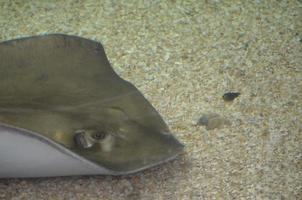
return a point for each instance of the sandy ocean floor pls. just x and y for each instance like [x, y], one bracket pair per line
[183, 56]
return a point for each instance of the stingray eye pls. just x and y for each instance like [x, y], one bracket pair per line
[99, 135]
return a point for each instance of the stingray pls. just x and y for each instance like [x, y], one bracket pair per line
[65, 111]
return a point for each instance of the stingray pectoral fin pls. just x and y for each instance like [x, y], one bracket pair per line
[52, 87]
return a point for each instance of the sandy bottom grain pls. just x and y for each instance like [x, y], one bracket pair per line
[183, 56]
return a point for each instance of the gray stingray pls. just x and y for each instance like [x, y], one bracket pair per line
[64, 111]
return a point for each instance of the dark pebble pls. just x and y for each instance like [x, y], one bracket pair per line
[230, 96]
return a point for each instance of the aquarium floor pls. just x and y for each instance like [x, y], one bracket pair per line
[183, 56]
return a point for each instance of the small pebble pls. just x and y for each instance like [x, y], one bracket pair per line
[212, 121]
[230, 96]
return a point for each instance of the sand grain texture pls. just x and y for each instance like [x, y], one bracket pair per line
[183, 56]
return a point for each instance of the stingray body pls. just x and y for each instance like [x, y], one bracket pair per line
[64, 111]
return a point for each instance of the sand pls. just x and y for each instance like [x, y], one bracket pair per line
[183, 56]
